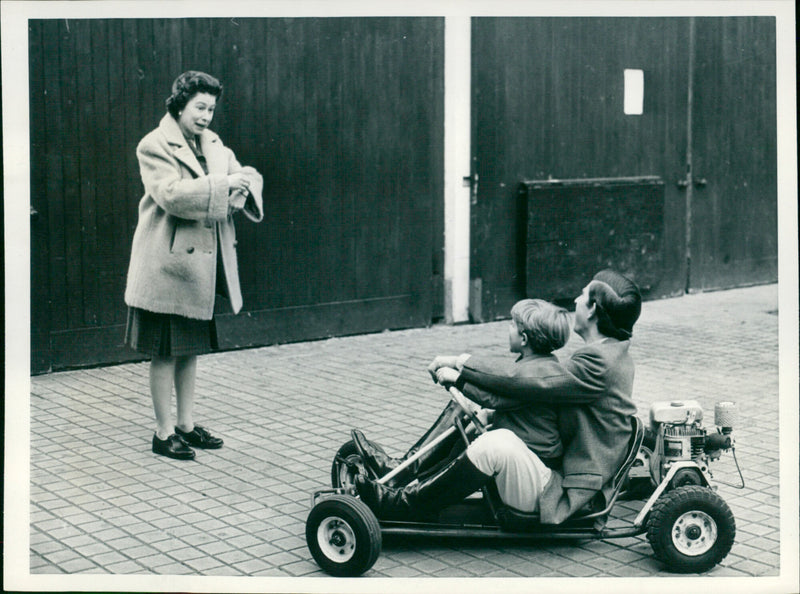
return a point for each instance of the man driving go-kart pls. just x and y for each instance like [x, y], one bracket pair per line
[592, 392]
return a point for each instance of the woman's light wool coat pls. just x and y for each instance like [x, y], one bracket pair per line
[173, 264]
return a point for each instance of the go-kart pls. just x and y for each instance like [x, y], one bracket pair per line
[689, 526]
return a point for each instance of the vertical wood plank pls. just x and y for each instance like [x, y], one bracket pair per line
[102, 253]
[117, 172]
[70, 143]
[42, 176]
[87, 137]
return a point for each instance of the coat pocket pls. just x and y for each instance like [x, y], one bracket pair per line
[190, 237]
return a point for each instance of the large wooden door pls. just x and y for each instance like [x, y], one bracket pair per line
[547, 104]
[344, 118]
[548, 98]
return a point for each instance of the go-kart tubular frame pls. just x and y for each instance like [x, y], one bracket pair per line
[583, 527]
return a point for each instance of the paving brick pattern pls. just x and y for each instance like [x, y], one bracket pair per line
[101, 502]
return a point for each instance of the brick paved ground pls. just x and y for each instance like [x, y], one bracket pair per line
[102, 503]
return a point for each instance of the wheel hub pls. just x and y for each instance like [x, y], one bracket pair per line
[694, 533]
[336, 539]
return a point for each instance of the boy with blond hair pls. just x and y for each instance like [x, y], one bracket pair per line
[537, 329]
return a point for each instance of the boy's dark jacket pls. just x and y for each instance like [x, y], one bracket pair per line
[534, 423]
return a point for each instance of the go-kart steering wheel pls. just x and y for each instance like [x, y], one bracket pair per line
[454, 396]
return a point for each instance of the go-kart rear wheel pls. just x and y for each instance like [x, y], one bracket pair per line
[343, 535]
[691, 529]
[347, 463]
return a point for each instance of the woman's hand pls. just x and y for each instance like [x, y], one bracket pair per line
[238, 182]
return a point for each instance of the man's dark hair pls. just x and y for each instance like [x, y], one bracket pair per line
[618, 301]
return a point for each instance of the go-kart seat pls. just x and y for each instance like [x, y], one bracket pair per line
[595, 512]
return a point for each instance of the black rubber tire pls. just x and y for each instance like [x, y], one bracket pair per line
[343, 535]
[686, 517]
[340, 475]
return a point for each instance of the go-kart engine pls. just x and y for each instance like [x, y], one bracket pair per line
[680, 434]
[683, 443]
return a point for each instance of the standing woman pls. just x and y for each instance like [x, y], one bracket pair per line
[184, 253]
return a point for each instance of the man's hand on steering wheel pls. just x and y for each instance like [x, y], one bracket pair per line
[455, 362]
[447, 375]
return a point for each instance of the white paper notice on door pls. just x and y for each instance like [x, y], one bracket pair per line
[634, 92]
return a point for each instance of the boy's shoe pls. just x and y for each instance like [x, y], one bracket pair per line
[200, 437]
[172, 447]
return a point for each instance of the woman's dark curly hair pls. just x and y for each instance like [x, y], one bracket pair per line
[618, 301]
[189, 84]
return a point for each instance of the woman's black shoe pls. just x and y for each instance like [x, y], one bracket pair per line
[172, 447]
[200, 437]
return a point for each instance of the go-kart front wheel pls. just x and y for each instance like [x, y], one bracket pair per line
[343, 535]
[347, 463]
[691, 529]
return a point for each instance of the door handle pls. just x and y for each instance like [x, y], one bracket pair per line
[700, 183]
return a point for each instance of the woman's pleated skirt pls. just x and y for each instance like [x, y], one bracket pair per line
[169, 335]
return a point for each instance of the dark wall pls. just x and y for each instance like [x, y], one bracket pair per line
[343, 117]
[548, 104]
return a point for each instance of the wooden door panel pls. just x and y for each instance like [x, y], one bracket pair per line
[343, 117]
[734, 202]
[548, 105]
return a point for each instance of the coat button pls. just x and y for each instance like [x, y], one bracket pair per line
[190, 250]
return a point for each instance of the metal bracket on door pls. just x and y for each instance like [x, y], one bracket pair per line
[472, 182]
[698, 183]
